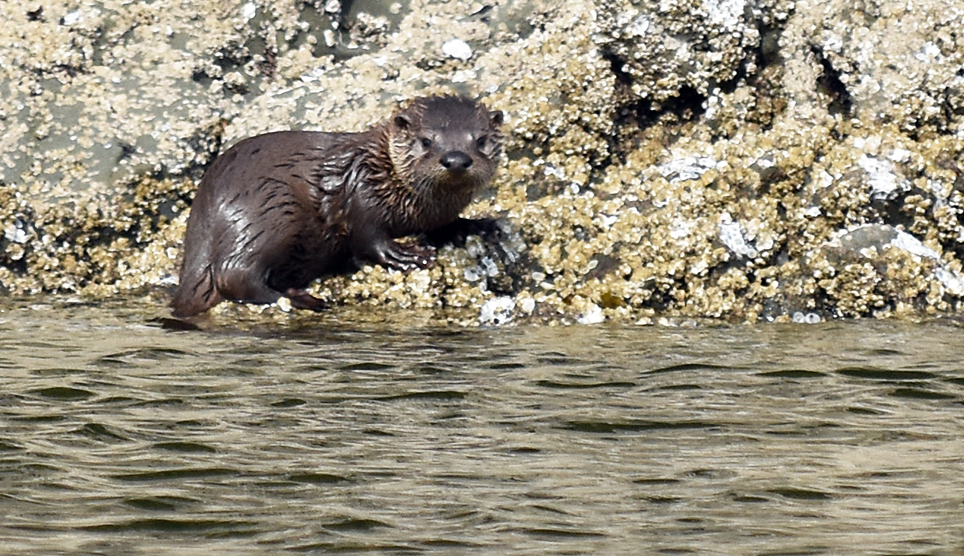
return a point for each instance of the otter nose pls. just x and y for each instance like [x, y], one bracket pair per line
[456, 161]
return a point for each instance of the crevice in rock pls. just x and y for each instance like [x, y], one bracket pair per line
[830, 84]
[686, 106]
[616, 64]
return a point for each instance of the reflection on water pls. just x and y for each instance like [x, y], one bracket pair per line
[327, 434]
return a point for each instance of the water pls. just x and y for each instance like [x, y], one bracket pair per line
[364, 436]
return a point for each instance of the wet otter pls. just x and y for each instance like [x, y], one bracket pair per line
[279, 210]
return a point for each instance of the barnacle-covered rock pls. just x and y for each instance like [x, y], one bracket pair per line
[665, 161]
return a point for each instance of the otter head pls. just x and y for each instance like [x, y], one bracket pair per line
[446, 143]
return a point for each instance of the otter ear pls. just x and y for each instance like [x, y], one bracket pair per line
[495, 118]
[403, 122]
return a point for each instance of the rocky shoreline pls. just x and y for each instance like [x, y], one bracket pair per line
[736, 160]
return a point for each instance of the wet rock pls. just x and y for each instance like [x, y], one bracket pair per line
[879, 269]
[872, 240]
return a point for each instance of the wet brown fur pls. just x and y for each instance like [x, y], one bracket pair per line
[279, 210]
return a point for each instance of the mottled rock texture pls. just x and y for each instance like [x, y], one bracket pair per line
[730, 159]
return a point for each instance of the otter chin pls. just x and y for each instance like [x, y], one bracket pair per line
[277, 211]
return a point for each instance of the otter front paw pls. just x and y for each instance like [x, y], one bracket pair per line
[403, 257]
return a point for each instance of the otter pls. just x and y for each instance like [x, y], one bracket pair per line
[279, 210]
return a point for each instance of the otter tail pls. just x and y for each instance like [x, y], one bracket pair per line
[196, 291]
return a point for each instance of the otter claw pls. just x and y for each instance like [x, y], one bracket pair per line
[408, 257]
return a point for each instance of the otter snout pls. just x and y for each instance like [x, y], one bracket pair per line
[456, 161]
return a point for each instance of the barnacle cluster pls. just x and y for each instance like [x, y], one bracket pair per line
[731, 159]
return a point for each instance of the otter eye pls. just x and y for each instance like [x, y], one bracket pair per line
[426, 142]
[481, 142]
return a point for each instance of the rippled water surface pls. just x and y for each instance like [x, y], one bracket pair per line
[317, 436]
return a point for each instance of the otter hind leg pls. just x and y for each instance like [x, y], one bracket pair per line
[195, 293]
[243, 286]
[301, 299]
[247, 285]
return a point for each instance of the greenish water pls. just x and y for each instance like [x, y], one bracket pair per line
[367, 436]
